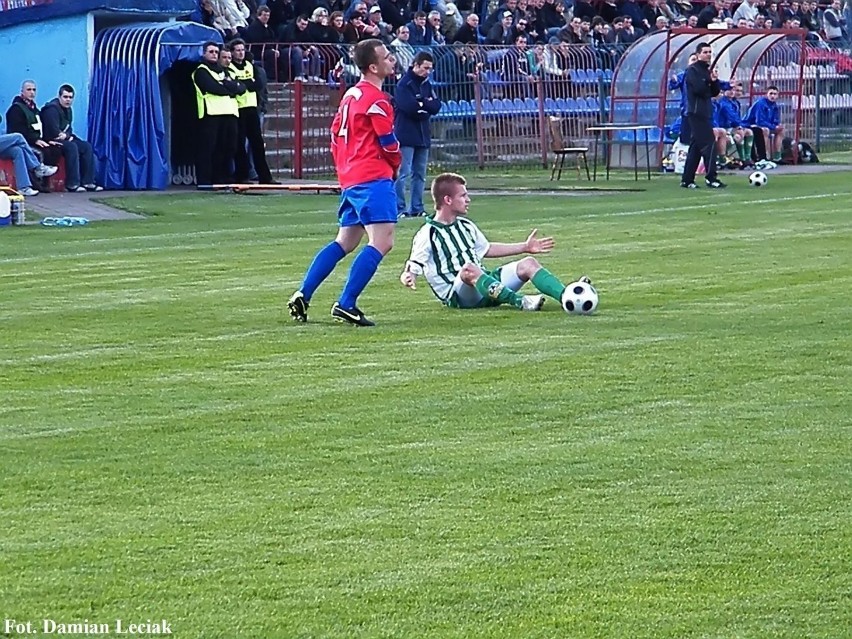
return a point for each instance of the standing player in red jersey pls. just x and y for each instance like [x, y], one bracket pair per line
[366, 156]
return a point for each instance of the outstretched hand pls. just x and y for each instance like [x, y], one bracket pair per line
[539, 245]
[408, 279]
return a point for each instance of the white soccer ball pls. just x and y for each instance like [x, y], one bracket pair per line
[580, 298]
[758, 178]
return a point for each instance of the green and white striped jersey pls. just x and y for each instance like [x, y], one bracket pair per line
[439, 251]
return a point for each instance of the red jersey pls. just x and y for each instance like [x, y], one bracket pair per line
[363, 144]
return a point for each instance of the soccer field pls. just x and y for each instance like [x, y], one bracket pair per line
[677, 465]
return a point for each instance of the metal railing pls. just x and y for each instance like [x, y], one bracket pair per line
[498, 102]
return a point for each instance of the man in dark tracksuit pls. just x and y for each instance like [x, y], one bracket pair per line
[702, 85]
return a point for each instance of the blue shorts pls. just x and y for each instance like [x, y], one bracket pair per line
[369, 203]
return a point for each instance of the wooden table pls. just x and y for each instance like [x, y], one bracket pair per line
[601, 130]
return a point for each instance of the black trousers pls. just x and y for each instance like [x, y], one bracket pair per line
[249, 129]
[702, 145]
[760, 144]
[685, 130]
[217, 146]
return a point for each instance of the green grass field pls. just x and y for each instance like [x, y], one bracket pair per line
[677, 465]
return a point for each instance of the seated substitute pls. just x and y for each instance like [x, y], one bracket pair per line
[727, 116]
[449, 248]
[57, 118]
[764, 118]
[13, 146]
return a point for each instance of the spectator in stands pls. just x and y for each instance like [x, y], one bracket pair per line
[383, 29]
[628, 34]
[326, 39]
[584, 9]
[468, 33]
[551, 18]
[402, 51]
[807, 16]
[297, 36]
[433, 21]
[451, 23]
[692, 22]
[572, 33]
[346, 71]
[834, 23]
[217, 118]
[764, 118]
[13, 146]
[419, 33]
[415, 104]
[711, 13]
[662, 24]
[263, 38]
[281, 12]
[747, 10]
[497, 16]
[773, 15]
[502, 32]
[24, 117]
[516, 69]
[338, 23]
[358, 29]
[631, 9]
[650, 14]
[395, 12]
[231, 17]
[57, 119]
[609, 11]
[458, 73]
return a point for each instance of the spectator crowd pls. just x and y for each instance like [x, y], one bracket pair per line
[311, 40]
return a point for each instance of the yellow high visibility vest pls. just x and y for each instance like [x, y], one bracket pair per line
[215, 104]
[249, 98]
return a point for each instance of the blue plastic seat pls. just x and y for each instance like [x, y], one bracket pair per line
[531, 106]
[466, 108]
[562, 106]
[573, 106]
[550, 107]
[508, 107]
[487, 107]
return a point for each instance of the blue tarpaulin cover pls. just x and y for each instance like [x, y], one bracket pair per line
[19, 11]
[126, 121]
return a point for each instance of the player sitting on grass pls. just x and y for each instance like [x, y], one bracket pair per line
[449, 248]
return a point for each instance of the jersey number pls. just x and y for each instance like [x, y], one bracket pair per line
[356, 93]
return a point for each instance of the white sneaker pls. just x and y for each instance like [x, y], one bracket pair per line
[532, 302]
[43, 170]
[29, 192]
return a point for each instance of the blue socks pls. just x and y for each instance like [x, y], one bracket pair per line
[321, 268]
[363, 268]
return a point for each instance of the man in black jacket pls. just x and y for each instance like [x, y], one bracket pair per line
[702, 85]
[57, 118]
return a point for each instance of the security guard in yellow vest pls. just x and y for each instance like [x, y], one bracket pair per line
[218, 113]
[249, 122]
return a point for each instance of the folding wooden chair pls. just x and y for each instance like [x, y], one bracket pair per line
[562, 148]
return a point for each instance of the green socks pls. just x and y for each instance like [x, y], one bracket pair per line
[491, 287]
[776, 156]
[547, 283]
[747, 144]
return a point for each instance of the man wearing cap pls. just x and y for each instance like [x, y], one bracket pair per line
[501, 33]
[383, 29]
